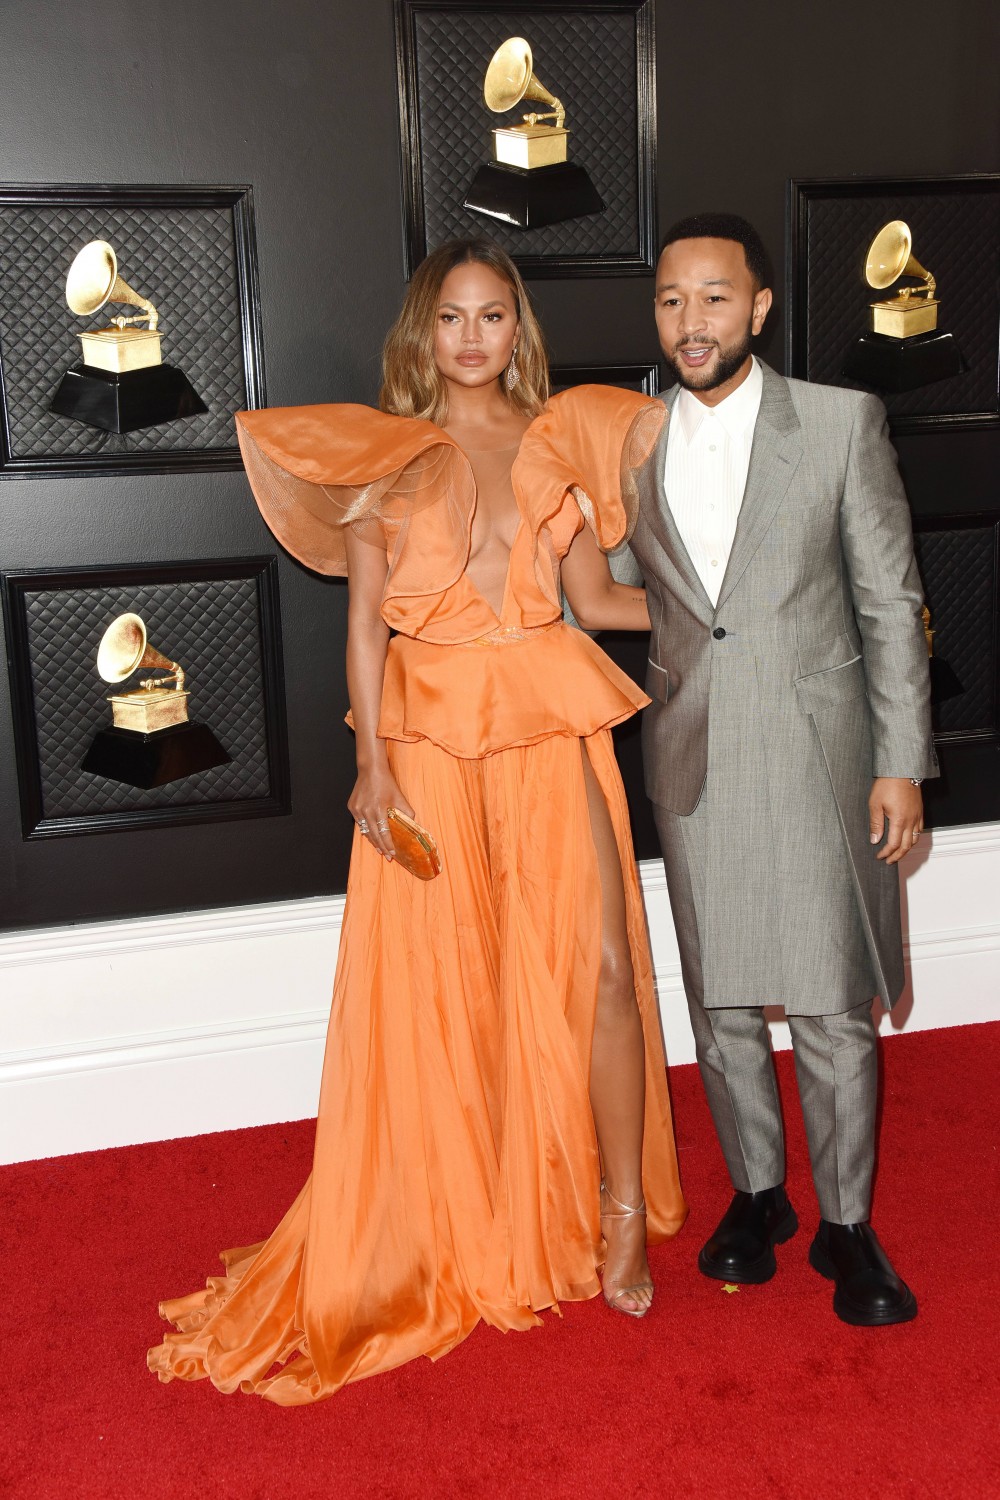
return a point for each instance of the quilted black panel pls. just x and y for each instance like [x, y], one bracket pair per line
[587, 61]
[958, 567]
[955, 236]
[210, 626]
[182, 259]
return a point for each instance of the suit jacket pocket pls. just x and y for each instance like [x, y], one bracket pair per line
[657, 680]
[834, 685]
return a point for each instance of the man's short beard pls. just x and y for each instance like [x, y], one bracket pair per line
[730, 361]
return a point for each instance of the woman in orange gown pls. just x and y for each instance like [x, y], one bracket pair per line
[494, 1127]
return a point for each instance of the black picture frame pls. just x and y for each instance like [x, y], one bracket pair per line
[201, 256]
[68, 588]
[612, 37]
[644, 378]
[956, 228]
[961, 578]
[959, 560]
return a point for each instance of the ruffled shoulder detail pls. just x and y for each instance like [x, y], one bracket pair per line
[316, 469]
[591, 440]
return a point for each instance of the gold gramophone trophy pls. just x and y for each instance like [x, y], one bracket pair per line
[945, 682]
[530, 182]
[151, 740]
[122, 383]
[904, 348]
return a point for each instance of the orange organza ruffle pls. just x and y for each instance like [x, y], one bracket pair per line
[456, 1170]
[316, 469]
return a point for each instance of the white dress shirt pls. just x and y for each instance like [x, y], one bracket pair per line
[705, 473]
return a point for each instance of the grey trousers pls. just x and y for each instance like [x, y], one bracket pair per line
[836, 1071]
[835, 1053]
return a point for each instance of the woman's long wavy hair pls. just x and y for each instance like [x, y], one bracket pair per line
[412, 385]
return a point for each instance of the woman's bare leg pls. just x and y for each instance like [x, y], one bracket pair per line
[618, 1070]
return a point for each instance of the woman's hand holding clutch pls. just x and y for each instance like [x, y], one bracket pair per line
[375, 791]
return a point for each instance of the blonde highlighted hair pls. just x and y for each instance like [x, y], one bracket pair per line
[412, 385]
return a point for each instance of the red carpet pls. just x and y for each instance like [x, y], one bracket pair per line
[758, 1394]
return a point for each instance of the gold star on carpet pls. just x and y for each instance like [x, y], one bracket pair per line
[730, 1286]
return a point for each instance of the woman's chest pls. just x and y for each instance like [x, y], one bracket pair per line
[497, 515]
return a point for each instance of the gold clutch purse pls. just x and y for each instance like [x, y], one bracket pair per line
[413, 846]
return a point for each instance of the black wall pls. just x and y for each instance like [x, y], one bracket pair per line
[299, 99]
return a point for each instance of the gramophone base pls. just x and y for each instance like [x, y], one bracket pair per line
[945, 681]
[148, 760]
[122, 401]
[529, 197]
[888, 364]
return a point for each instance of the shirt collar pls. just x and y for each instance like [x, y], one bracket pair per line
[737, 413]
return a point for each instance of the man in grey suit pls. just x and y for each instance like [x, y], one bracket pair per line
[784, 749]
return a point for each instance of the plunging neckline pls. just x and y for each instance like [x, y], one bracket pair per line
[515, 448]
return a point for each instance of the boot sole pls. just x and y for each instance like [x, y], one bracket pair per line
[754, 1273]
[846, 1311]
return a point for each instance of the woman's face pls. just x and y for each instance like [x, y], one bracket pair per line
[477, 326]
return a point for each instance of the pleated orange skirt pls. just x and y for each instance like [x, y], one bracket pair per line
[456, 1169]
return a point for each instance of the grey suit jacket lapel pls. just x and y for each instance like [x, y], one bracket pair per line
[656, 511]
[774, 457]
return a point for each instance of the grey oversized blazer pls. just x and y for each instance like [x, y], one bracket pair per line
[817, 636]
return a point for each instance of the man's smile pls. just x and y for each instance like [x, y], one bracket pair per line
[696, 355]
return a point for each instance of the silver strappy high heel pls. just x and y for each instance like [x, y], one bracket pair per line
[627, 1212]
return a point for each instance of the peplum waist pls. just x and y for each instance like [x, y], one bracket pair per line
[511, 687]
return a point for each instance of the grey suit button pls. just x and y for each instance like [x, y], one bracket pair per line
[719, 633]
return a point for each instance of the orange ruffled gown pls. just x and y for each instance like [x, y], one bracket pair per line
[456, 1169]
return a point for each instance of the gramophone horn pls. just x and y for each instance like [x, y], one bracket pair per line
[124, 649]
[889, 257]
[93, 280]
[509, 79]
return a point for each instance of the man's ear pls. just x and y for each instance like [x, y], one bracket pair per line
[761, 308]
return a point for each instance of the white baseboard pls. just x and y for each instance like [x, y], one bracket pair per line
[121, 1032]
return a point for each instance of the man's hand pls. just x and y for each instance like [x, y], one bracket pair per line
[898, 800]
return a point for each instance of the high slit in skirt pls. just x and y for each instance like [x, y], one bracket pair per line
[456, 1170]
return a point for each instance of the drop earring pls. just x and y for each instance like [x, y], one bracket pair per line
[513, 373]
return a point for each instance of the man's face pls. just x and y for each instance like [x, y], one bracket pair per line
[707, 310]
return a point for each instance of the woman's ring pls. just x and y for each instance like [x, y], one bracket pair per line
[363, 825]
[383, 827]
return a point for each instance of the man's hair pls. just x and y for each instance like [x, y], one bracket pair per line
[724, 227]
